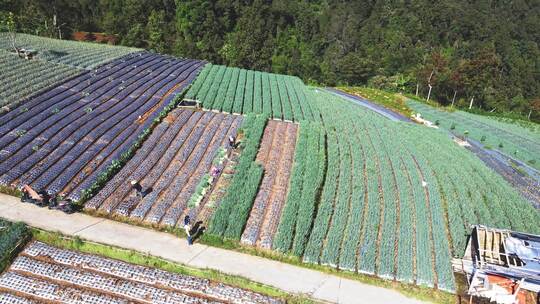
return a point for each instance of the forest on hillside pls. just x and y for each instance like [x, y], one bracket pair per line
[487, 51]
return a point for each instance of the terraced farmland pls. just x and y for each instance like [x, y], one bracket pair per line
[61, 140]
[71, 53]
[43, 274]
[232, 213]
[516, 141]
[172, 162]
[234, 90]
[276, 156]
[334, 183]
[24, 78]
[397, 199]
[56, 61]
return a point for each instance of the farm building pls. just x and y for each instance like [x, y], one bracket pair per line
[501, 265]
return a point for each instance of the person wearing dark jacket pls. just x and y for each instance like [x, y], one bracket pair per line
[135, 185]
[232, 142]
[187, 228]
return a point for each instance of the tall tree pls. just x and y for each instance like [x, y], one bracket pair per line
[491, 49]
[251, 43]
[156, 28]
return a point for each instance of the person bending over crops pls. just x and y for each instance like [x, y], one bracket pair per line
[135, 185]
[232, 142]
[215, 172]
[40, 198]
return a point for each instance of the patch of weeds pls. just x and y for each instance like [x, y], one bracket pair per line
[20, 132]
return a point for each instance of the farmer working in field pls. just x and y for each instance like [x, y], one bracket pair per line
[187, 228]
[138, 188]
[232, 142]
[215, 172]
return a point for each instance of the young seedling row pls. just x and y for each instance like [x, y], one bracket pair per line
[276, 155]
[70, 53]
[516, 141]
[234, 90]
[22, 78]
[44, 273]
[61, 140]
[169, 166]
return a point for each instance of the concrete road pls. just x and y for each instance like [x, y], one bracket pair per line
[289, 278]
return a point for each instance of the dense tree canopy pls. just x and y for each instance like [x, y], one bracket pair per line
[486, 50]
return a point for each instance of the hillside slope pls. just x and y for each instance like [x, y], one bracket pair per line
[385, 182]
[511, 138]
[56, 61]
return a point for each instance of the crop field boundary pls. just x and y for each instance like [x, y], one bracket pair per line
[45, 89]
[115, 167]
[176, 250]
[64, 242]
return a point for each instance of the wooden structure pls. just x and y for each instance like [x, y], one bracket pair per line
[500, 264]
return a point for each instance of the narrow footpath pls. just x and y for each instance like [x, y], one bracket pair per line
[289, 278]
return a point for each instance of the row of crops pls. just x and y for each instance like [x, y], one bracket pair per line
[396, 199]
[276, 156]
[71, 53]
[307, 178]
[43, 274]
[234, 90]
[512, 139]
[231, 215]
[171, 162]
[352, 190]
[23, 78]
[62, 140]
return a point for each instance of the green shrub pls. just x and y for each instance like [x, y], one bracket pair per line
[20, 132]
[11, 236]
